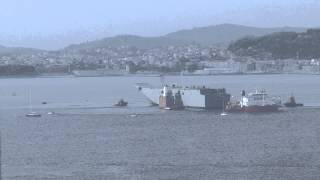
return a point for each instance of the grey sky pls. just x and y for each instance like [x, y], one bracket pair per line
[37, 22]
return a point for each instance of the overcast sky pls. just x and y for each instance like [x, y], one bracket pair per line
[32, 22]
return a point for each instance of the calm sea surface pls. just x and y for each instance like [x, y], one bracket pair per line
[87, 138]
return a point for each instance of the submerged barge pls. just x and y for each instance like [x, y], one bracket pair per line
[174, 97]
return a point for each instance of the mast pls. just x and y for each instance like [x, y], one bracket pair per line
[30, 101]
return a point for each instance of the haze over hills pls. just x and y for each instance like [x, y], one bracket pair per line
[210, 35]
[226, 33]
[129, 40]
[17, 50]
[154, 54]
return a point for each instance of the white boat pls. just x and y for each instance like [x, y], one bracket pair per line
[33, 114]
[51, 113]
[224, 114]
[194, 97]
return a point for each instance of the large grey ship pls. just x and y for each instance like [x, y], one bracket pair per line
[193, 97]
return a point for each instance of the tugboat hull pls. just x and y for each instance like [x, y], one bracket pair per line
[293, 105]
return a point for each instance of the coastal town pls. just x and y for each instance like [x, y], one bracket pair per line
[191, 59]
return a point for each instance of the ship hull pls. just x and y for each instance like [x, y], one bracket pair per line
[254, 109]
[266, 108]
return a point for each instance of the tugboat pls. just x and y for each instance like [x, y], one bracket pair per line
[121, 103]
[292, 103]
[258, 101]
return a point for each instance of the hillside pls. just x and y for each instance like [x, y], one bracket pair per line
[225, 33]
[4, 51]
[281, 45]
[220, 34]
[128, 40]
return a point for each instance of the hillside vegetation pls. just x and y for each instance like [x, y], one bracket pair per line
[282, 45]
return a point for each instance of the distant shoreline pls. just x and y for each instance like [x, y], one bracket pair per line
[144, 75]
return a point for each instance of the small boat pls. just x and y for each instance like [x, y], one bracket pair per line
[224, 114]
[258, 101]
[133, 115]
[51, 113]
[292, 103]
[33, 114]
[121, 103]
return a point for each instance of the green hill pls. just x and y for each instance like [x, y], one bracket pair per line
[281, 45]
[225, 33]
